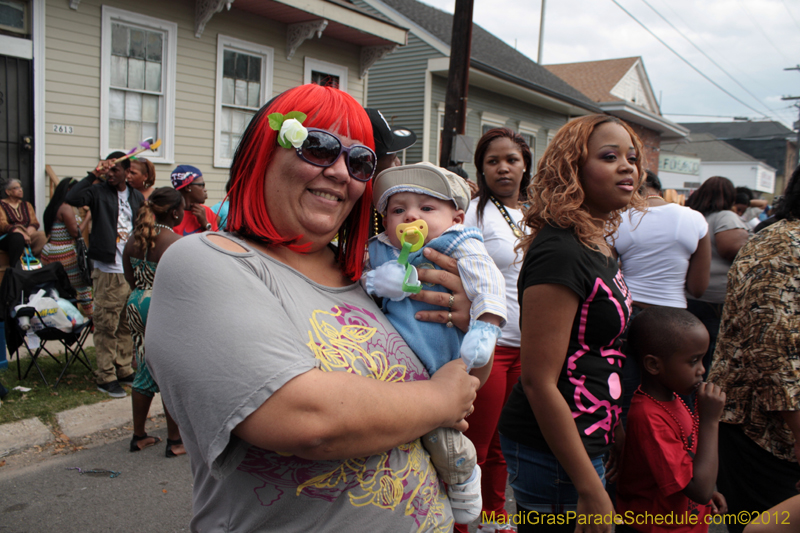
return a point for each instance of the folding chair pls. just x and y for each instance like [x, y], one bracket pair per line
[71, 343]
[12, 293]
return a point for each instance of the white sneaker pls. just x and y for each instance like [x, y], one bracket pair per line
[494, 527]
[465, 498]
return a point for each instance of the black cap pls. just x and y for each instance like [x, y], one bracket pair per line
[388, 141]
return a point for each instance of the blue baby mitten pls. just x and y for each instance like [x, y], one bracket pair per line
[478, 344]
[386, 281]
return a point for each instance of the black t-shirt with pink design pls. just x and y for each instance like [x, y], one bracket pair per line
[590, 379]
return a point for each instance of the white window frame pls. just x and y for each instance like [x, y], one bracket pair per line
[328, 68]
[267, 55]
[439, 128]
[166, 118]
[526, 128]
[492, 119]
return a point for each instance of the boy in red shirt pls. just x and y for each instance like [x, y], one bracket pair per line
[188, 180]
[669, 465]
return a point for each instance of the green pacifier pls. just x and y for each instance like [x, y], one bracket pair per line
[412, 237]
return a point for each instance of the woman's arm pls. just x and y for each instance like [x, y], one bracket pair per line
[548, 312]
[699, 272]
[66, 215]
[346, 416]
[127, 268]
[730, 241]
[34, 222]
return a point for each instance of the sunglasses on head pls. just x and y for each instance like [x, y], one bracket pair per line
[322, 149]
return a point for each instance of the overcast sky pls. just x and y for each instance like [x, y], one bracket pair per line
[752, 40]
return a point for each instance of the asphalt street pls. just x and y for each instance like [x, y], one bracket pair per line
[151, 493]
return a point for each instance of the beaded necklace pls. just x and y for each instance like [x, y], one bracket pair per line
[157, 225]
[500, 207]
[687, 442]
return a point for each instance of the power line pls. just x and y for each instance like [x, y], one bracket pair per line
[717, 85]
[707, 56]
[790, 14]
[733, 66]
[757, 25]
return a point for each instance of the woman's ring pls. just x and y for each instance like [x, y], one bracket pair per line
[449, 320]
[451, 301]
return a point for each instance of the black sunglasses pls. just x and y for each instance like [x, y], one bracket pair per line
[322, 149]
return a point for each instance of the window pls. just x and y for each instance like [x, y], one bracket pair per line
[14, 16]
[244, 83]
[137, 72]
[490, 121]
[529, 132]
[324, 73]
[440, 122]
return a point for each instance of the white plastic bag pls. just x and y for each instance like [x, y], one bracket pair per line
[74, 316]
[52, 315]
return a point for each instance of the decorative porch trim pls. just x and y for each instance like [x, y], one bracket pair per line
[204, 10]
[297, 34]
[371, 55]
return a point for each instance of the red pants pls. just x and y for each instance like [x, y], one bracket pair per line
[483, 430]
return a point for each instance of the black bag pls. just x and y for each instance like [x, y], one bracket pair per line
[84, 263]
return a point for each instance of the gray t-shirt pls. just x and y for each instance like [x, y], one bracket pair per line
[718, 283]
[225, 331]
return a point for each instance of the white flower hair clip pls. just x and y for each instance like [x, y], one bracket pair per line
[291, 132]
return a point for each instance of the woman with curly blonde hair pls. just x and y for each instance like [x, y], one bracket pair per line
[561, 416]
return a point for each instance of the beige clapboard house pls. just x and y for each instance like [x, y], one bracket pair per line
[104, 74]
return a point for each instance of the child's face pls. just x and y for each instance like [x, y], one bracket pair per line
[405, 207]
[684, 370]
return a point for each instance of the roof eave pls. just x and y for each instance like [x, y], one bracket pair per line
[638, 115]
[578, 107]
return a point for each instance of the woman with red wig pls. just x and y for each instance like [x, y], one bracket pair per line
[300, 406]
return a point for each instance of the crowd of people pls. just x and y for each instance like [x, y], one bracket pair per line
[373, 346]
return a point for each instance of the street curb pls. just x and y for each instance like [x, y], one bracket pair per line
[88, 419]
[17, 436]
[74, 423]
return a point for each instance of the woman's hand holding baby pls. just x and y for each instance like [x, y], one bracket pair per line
[458, 391]
[458, 311]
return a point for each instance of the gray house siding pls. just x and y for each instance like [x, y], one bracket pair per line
[397, 88]
[480, 101]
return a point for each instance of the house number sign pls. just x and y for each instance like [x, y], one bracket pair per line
[67, 130]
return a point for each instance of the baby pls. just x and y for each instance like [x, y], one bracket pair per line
[426, 202]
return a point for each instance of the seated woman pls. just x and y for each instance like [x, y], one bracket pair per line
[19, 227]
[63, 223]
[152, 235]
[299, 404]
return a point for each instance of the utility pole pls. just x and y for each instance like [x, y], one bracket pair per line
[541, 36]
[796, 125]
[455, 104]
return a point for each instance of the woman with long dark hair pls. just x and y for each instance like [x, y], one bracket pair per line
[714, 200]
[64, 224]
[152, 235]
[504, 164]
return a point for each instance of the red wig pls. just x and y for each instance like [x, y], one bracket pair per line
[329, 109]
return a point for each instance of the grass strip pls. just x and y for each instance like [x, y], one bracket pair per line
[43, 401]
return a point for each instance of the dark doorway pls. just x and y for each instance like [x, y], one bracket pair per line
[16, 122]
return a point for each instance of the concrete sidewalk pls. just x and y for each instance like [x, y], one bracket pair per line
[75, 423]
